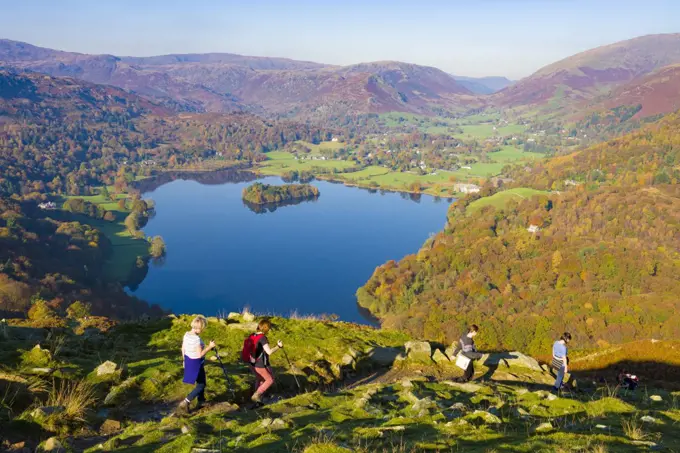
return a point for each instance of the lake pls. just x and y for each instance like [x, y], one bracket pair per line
[307, 258]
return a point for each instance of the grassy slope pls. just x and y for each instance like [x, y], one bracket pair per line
[126, 249]
[500, 199]
[402, 409]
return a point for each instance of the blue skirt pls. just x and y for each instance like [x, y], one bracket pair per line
[191, 369]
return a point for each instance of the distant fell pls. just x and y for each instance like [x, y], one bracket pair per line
[483, 85]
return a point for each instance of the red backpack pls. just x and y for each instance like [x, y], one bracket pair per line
[250, 347]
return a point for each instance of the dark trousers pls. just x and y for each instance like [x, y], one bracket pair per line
[199, 390]
[470, 370]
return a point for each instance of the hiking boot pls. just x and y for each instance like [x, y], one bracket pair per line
[183, 408]
[256, 398]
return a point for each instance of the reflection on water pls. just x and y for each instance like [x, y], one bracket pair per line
[203, 177]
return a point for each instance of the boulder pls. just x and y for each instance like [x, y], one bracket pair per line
[273, 424]
[46, 411]
[656, 398]
[248, 317]
[649, 419]
[119, 394]
[110, 427]
[53, 444]
[42, 370]
[234, 316]
[510, 360]
[185, 429]
[347, 360]
[459, 407]
[108, 368]
[384, 356]
[519, 412]
[418, 351]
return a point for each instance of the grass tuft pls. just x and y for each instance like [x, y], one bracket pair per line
[75, 397]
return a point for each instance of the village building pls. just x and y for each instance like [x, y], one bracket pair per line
[466, 188]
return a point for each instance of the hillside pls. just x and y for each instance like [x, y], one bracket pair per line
[272, 86]
[364, 390]
[600, 260]
[657, 93]
[581, 77]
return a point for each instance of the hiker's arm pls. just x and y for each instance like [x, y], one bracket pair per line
[566, 364]
[270, 350]
[208, 348]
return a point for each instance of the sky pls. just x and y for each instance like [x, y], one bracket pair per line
[511, 38]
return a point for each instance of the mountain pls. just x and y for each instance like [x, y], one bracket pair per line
[582, 77]
[656, 93]
[221, 82]
[483, 85]
[111, 70]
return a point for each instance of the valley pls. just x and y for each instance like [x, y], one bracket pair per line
[372, 210]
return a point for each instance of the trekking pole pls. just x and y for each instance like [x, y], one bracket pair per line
[226, 375]
[290, 365]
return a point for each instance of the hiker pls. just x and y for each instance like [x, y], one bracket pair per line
[193, 354]
[560, 361]
[627, 381]
[256, 352]
[467, 348]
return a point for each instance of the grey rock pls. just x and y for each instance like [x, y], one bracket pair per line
[544, 428]
[440, 358]
[656, 398]
[459, 407]
[109, 367]
[467, 387]
[110, 426]
[384, 356]
[53, 444]
[234, 316]
[347, 360]
[519, 412]
[510, 360]
[485, 416]
[185, 429]
[42, 370]
[118, 393]
[273, 424]
[420, 351]
[650, 419]
[248, 317]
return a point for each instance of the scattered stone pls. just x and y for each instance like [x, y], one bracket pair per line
[422, 406]
[551, 397]
[109, 367]
[522, 391]
[46, 411]
[485, 416]
[459, 407]
[109, 427]
[468, 387]
[347, 360]
[204, 450]
[53, 444]
[42, 370]
[248, 317]
[656, 398]
[406, 383]
[384, 356]
[234, 316]
[545, 395]
[117, 394]
[171, 316]
[544, 428]
[650, 419]
[601, 426]
[273, 424]
[185, 429]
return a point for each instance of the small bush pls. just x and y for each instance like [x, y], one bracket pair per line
[40, 311]
[75, 397]
[78, 310]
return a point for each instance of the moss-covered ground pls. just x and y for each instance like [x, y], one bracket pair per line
[360, 391]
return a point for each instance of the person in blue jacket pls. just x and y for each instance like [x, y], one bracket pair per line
[193, 354]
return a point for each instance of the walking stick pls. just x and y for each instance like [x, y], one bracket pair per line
[290, 365]
[226, 375]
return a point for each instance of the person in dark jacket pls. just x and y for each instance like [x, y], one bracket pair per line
[193, 354]
[466, 346]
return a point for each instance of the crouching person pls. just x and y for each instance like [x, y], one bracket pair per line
[193, 354]
[256, 352]
[467, 348]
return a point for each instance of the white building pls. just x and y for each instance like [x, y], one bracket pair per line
[533, 229]
[466, 188]
[48, 205]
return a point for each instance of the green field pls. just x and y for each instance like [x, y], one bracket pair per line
[316, 149]
[484, 131]
[125, 248]
[512, 154]
[279, 162]
[500, 199]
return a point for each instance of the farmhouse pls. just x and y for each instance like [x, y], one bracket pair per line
[466, 188]
[48, 205]
[533, 229]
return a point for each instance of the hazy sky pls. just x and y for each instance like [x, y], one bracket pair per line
[474, 37]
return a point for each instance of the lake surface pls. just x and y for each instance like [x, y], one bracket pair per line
[308, 258]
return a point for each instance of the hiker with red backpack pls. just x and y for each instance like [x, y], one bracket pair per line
[255, 353]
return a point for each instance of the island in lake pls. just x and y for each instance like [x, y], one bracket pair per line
[259, 193]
